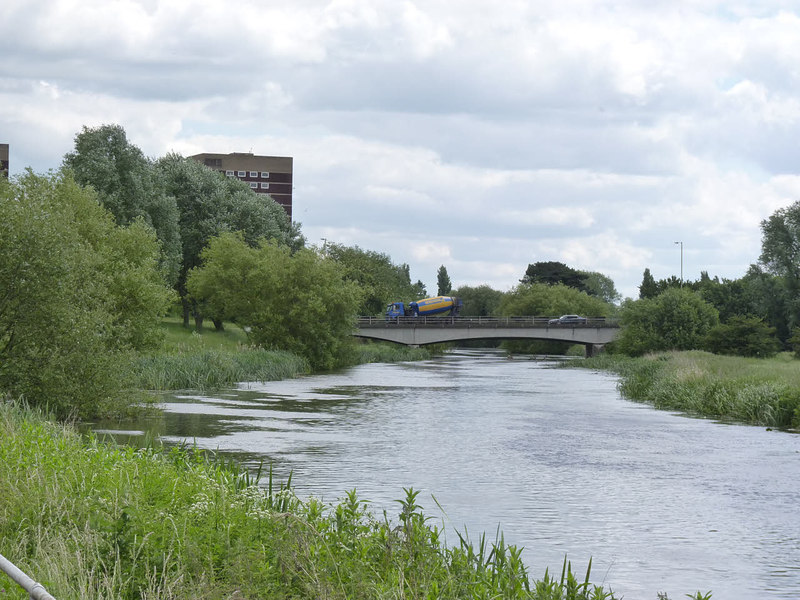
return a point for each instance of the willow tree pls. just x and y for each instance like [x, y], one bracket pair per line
[299, 302]
[79, 293]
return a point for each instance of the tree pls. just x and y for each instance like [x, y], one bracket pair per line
[380, 280]
[780, 243]
[599, 285]
[78, 294]
[552, 273]
[444, 286]
[648, 287]
[539, 299]
[677, 319]
[480, 301]
[299, 302]
[743, 336]
[780, 255]
[129, 186]
[210, 204]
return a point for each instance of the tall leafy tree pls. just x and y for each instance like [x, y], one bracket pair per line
[210, 204]
[299, 302]
[540, 299]
[743, 336]
[552, 273]
[677, 319]
[77, 293]
[443, 284]
[648, 287]
[380, 280]
[599, 285]
[780, 254]
[129, 186]
[480, 301]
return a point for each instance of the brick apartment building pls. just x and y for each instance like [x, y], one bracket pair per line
[4, 159]
[269, 175]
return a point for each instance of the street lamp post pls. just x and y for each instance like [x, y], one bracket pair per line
[681, 244]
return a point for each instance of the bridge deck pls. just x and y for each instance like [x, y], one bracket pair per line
[484, 322]
[419, 331]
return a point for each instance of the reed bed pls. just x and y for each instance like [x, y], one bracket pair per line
[213, 369]
[749, 390]
[361, 353]
[90, 520]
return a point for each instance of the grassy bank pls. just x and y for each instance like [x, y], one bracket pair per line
[95, 521]
[749, 390]
[214, 359]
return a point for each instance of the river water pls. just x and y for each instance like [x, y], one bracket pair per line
[554, 458]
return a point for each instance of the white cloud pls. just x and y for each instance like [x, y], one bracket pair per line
[595, 133]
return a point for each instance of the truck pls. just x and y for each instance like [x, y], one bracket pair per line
[426, 307]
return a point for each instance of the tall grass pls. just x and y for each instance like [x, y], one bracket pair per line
[210, 369]
[749, 390]
[214, 359]
[95, 521]
[360, 353]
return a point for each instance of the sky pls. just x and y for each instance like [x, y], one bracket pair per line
[479, 136]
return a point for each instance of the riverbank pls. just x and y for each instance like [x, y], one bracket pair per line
[91, 520]
[215, 359]
[757, 391]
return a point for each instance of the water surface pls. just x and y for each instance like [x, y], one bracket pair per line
[553, 457]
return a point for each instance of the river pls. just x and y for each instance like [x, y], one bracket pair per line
[553, 457]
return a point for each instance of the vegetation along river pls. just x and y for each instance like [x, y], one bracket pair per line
[554, 457]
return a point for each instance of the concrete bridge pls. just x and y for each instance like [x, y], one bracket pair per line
[419, 331]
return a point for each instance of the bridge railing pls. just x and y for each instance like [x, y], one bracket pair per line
[485, 322]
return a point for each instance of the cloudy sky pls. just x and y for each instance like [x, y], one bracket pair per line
[481, 136]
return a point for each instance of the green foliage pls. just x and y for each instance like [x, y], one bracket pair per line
[129, 186]
[599, 285]
[97, 521]
[795, 341]
[380, 280]
[214, 369]
[296, 302]
[419, 290]
[551, 300]
[780, 243]
[552, 273]
[648, 287]
[539, 299]
[780, 255]
[443, 284]
[78, 294]
[480, 301]
[743, 336]
[677, 319]
[210, 204]
[750, 390]
[733, 297]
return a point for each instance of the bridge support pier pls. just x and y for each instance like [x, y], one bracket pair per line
[594, 349]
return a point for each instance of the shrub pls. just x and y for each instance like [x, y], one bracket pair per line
[79, 294]
[743, 336]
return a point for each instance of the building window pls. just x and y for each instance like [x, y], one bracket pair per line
[229, 173]
[241, 173]
[264, 174]
[253, 173]
[264, 186]
[253, 184]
